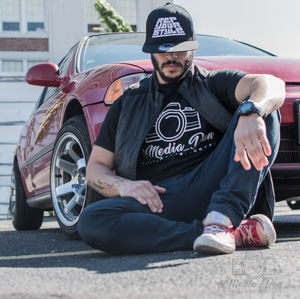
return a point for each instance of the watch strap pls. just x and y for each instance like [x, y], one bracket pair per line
[252, 109]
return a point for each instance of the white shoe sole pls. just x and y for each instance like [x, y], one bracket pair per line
[206, 244]
[268, 227]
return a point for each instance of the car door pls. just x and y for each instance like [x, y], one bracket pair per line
[42, 132]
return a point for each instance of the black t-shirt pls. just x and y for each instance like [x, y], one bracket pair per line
[180, 137]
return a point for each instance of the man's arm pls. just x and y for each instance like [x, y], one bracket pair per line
[101, 178]
[268, 93]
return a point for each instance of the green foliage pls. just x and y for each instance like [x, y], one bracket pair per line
[113, 21]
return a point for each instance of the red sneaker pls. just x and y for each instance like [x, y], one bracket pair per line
[256, 231]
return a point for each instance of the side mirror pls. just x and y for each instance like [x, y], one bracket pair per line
[44, 74]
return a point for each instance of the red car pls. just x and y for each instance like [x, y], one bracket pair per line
[55, 143]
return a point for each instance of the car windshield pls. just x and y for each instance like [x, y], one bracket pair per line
[109, 48]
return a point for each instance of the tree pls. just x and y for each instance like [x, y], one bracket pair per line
[108, 15]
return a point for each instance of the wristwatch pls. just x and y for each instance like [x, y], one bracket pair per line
[247, 108]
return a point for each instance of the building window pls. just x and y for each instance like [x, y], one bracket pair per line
[125, 8]
[14, 18]
[92, 17]
[17, 66]
[35, 15]
[12, 66]
[10, 15]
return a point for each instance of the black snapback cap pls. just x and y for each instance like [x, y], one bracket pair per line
[169, 28]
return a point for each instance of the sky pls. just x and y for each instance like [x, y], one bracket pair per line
[273, 25]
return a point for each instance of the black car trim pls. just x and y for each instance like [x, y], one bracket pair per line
[297, 118]
[289, 170]
[42, 201]
[41, 153]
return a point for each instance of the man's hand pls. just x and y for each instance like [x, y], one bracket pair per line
[144, 192]
[251, 142]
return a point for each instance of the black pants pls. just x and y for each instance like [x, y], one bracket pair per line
[123, 225]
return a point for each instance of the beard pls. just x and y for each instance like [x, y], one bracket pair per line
[186, 65]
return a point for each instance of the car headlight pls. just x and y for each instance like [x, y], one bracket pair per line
[118, 87]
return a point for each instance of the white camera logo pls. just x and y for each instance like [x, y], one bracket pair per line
[187, 120]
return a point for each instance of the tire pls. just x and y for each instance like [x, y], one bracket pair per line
[294, 204]
[23, 216]
[69, 190]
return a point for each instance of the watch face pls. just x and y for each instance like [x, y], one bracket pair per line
[246, 107]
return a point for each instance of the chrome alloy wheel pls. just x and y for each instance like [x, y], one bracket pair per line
[68, 184]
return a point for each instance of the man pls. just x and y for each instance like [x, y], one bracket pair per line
[187, 173]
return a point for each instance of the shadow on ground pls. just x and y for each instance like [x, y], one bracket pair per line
[50, 247]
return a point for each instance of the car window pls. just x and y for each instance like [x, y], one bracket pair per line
[110, 48]
[219, 46]
[104, 49]
[65, 62]
[46, 94]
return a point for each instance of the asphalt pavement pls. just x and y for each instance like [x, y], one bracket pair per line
[47, 264]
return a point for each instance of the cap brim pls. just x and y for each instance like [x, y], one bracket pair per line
[164, 48]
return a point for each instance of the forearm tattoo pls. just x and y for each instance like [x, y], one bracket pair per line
[104, 188]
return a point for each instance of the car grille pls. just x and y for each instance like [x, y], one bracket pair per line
[289, 150]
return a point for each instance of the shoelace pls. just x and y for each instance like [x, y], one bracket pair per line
[246, 234]
[214, 228]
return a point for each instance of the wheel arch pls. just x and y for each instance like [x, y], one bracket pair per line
[73, 108]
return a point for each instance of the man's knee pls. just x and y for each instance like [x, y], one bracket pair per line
[93, 226]
[97, 223]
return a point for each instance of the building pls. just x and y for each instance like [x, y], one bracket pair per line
[34, 31]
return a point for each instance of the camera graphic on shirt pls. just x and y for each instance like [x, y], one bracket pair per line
[187, 119]
[254, 266]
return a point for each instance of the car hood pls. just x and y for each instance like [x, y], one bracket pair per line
[285, 68]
